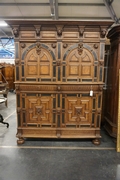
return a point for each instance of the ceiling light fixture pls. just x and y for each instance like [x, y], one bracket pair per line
[3, 23]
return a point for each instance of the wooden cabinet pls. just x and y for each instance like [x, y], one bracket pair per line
[58, 65]
[111, 113]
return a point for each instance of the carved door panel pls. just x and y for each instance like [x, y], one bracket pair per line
[39, 110]
[78, 67]
[38, 67]
[78, 111]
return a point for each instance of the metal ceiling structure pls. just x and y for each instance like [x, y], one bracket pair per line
[63, 10]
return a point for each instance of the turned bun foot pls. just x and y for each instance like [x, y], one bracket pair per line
[96, 141]
[20, 141]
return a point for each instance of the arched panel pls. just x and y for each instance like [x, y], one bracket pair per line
[38, 66]
[79, 67]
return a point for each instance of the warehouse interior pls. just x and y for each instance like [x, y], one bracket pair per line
[51, 158]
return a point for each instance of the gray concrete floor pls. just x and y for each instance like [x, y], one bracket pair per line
[51, 159]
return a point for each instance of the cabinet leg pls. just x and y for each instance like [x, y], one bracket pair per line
[20, 141]
[96, 141]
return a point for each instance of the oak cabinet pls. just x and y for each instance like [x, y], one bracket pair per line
[59, 78]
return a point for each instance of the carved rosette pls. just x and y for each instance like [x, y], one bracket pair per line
[23, 45]
[96, 46]
[80, 48]
[39, 110]
[38, 48]
[65, 45]
[53, 45]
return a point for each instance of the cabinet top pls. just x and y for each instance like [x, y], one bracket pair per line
[72, 23]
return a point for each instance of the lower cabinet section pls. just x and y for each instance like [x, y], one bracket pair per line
[58, 114]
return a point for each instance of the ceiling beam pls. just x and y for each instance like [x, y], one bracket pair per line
[108, 4]
[3, 32]
[52, 8]
[56, 9]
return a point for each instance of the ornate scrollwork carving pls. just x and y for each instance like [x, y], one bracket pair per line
[16, 32]
[59, 30]
[38, 48]
[80, 48]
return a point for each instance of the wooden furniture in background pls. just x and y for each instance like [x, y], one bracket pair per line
[8, 72]
[111, 112]
[59, 78]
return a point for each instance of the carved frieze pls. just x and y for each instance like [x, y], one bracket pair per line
[30, 88]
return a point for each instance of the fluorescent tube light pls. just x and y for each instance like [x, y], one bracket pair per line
[3, 23]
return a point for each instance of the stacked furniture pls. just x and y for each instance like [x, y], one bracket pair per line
[59, 78]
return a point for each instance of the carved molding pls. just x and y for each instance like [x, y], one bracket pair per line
[62, 88]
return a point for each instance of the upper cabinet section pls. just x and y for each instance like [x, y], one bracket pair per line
[59, 52]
